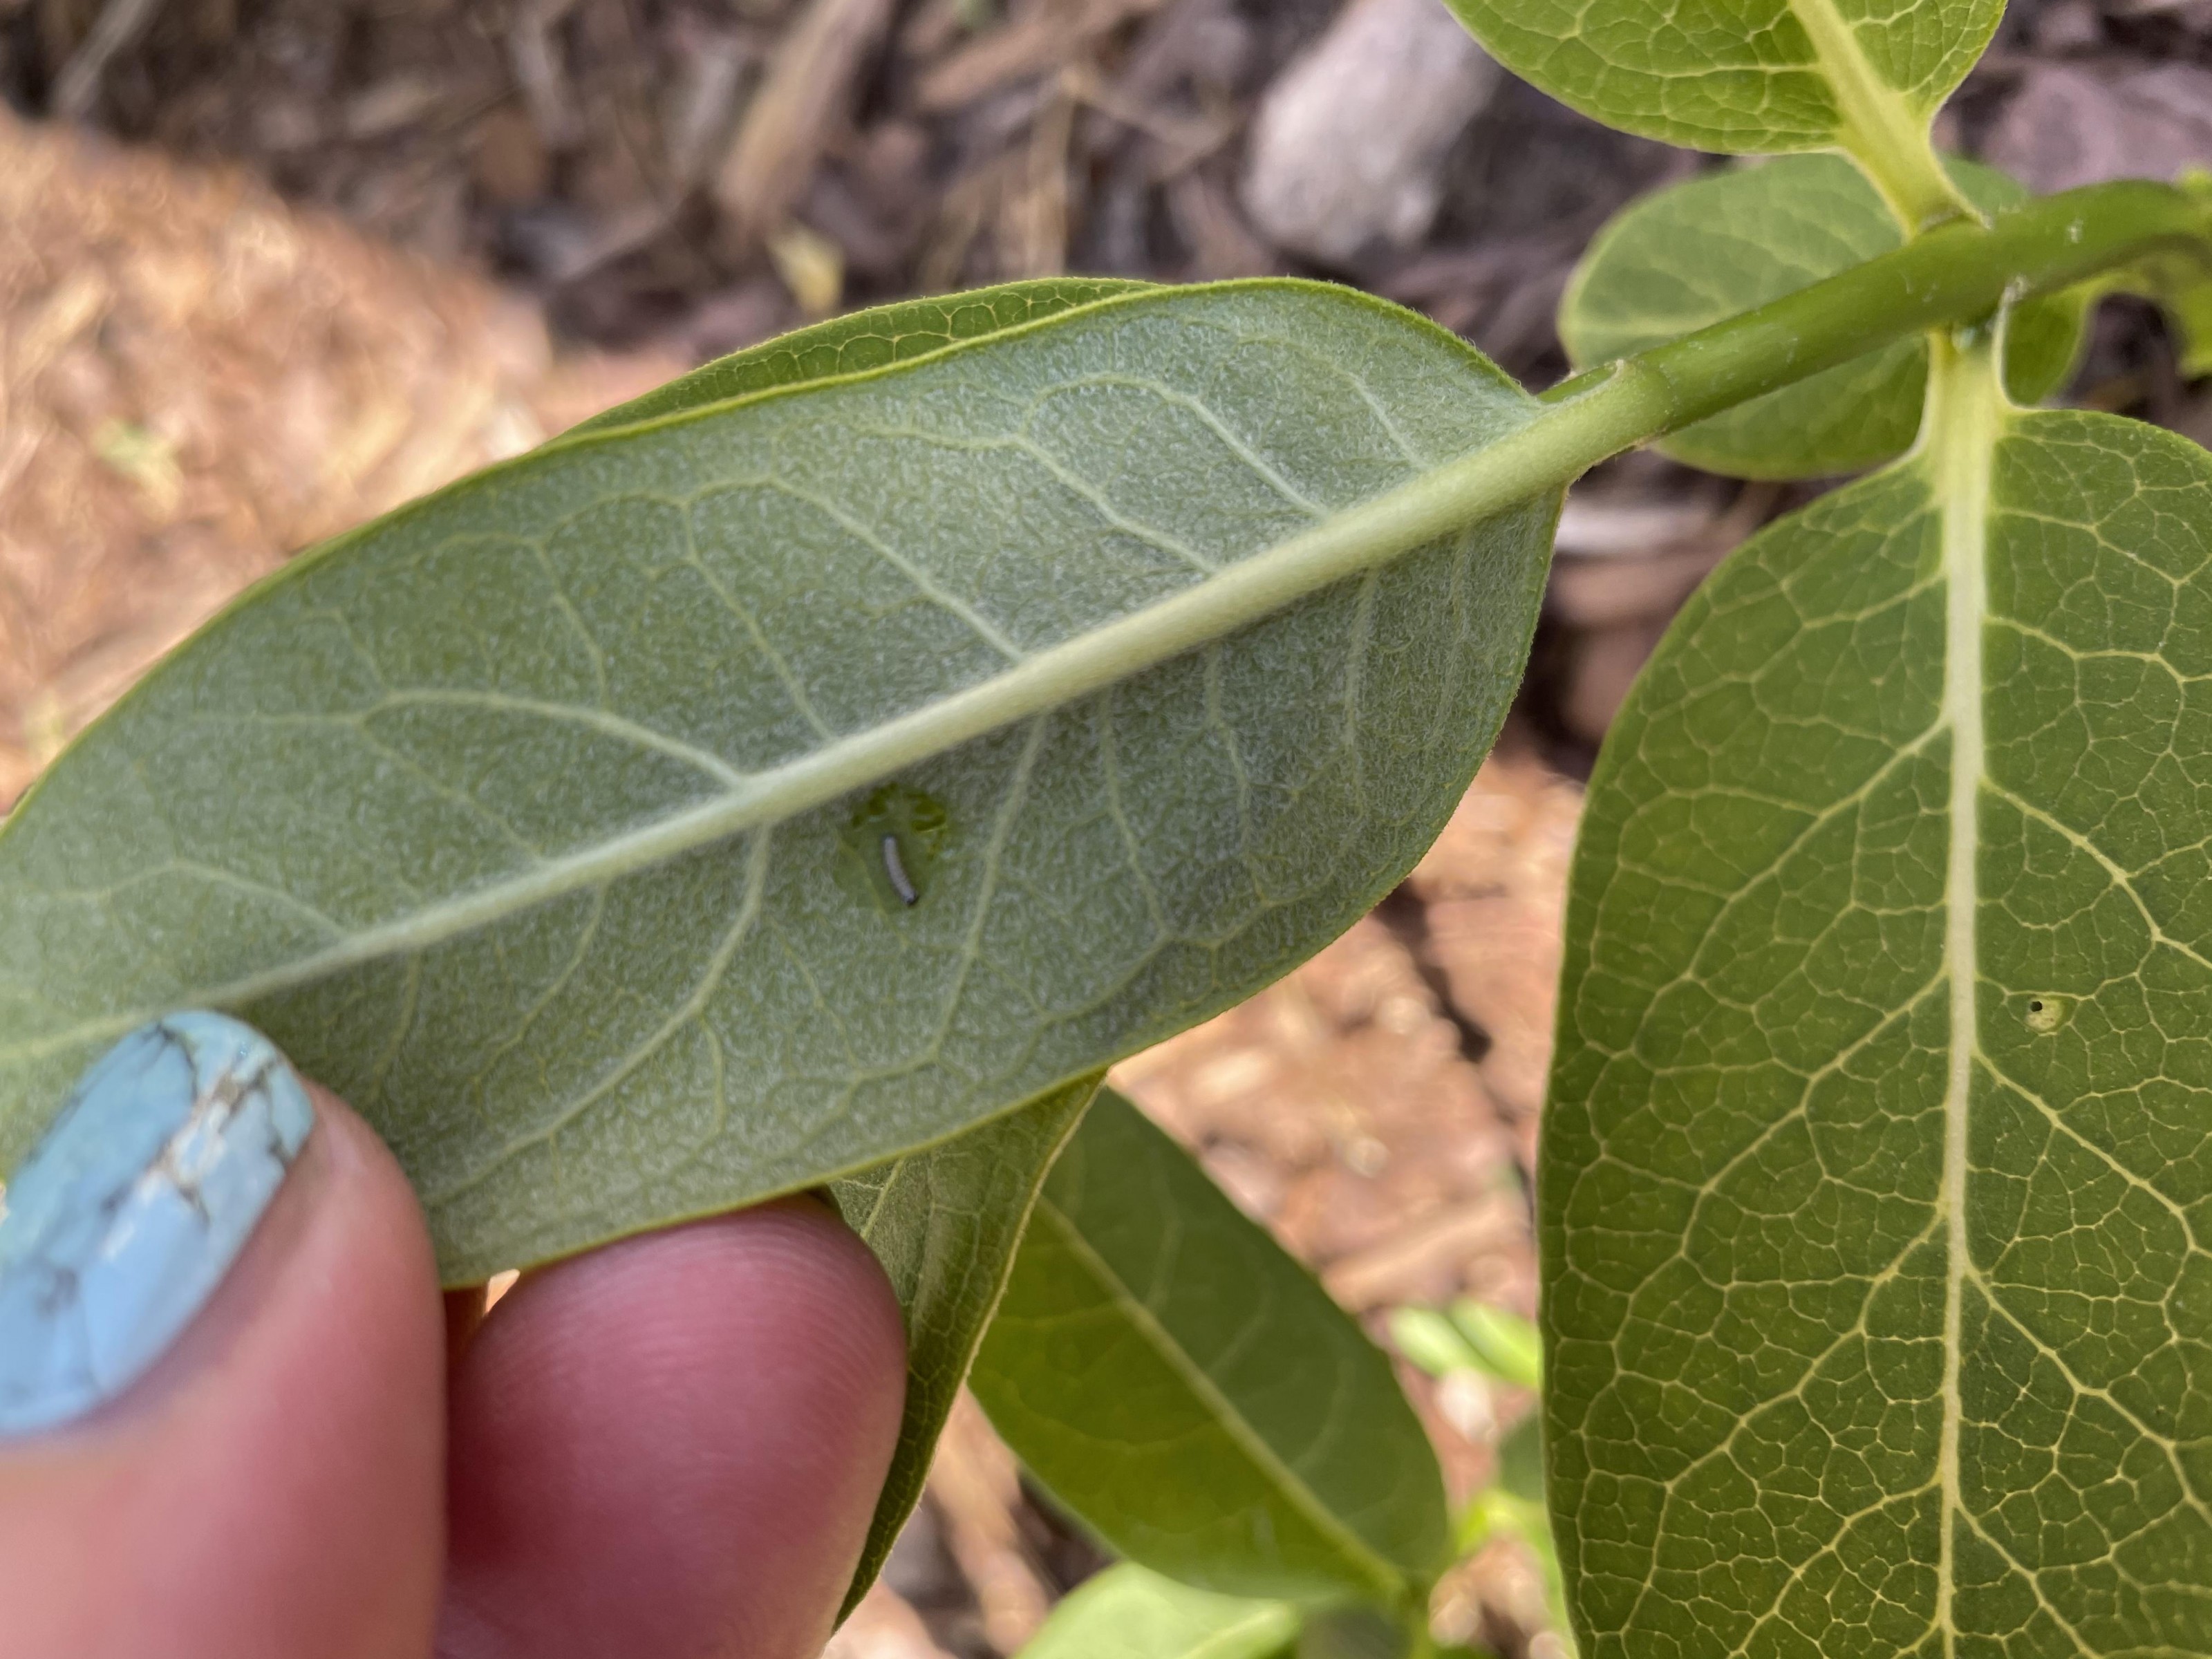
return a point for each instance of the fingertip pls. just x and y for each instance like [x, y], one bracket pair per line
[271, 1486]
[675, 1444]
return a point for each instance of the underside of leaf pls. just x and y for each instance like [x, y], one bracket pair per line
[708, 808]
[1185, 1387]
[859, 342]
[1878, 1169]
[945, 1223]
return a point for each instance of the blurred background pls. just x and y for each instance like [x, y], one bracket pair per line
[269, 267]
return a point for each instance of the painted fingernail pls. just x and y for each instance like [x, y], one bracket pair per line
[119, 1226]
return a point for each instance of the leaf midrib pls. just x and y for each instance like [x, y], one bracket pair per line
[1308, 1502]
[1892, 143]
[1965, 415]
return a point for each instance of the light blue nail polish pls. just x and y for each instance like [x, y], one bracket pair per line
[118, 1229]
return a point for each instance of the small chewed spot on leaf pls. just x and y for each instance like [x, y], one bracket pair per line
[892, 845]
[2045, 1014]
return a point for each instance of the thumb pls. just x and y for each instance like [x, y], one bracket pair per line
[220, 1369]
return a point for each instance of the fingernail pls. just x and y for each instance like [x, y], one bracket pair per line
[118, 1227]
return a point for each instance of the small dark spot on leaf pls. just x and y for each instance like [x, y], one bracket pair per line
[2045, 1014]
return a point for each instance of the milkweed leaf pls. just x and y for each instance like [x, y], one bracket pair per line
[1878, 1161]
[1184, 1385]
[524, 818]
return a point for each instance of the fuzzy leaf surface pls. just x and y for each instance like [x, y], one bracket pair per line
[563, 821]
[1185, 1387]
[1745, 76]
[1684, 257]
[864, 340]
[1877, 1174]
[945, 1223]
[1127, 1612]
[944, 1220]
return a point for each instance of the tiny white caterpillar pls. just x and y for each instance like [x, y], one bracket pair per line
[896, 870]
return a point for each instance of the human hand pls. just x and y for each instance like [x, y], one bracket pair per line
[234, 1422]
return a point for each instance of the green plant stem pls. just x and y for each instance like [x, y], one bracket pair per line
[1956, 273]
